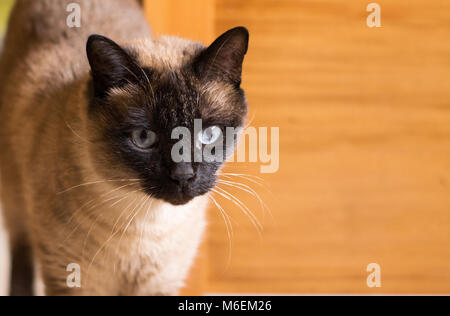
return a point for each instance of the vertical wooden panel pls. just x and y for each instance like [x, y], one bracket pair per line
[364, 117]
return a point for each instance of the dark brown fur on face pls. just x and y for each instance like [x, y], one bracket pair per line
[135, 87]
[74, 189]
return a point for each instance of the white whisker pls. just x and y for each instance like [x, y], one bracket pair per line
[97, 182]
[249, 190]
[74, 214]
[228, 226]
[109, 239]
[143, 226]
[254, 220]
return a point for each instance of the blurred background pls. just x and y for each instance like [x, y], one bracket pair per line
[364, 117]
[5, 7]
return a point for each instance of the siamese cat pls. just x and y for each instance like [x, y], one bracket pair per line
[93, 202]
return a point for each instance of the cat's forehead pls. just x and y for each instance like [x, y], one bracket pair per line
[175, 91]
[165, 53]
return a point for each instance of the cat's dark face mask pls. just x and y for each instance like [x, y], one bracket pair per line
[170, 127]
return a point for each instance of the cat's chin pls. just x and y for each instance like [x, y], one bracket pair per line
[175, 199]
[179, 202]
[176, 195]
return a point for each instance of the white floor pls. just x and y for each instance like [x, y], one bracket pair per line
[4, 260]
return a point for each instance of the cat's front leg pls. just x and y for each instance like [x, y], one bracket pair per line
[60, 282]
[61, 275]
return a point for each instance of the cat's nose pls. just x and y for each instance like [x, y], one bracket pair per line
[182, 172]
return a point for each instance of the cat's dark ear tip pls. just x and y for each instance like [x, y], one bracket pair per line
[96, 37]
[96, 44]
[243, 33]
[241, 30]
[100, 40]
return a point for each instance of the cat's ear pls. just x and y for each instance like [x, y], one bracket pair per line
[111, 65]
[224, 58]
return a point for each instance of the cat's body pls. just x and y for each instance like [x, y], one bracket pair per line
[65, 200]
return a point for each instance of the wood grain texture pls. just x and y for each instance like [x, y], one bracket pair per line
[364, 117]
[192, 19]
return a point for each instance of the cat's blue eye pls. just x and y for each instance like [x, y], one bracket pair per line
[210, 135]
[143, 138]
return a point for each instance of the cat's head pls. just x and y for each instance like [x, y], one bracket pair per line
[144, 92]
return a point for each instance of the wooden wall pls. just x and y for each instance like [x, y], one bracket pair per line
[364, 117]
[192, 19]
